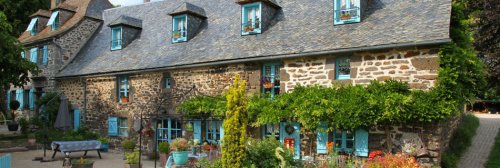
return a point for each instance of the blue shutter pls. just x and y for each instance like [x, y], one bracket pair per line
[33, 55]
[22, 54]
[197, 130]
[322, 139]
[295, 135]
[112, 126]
[32, 99]
[20, 98]
[76, 119]
[169, 130]
[45, 55]
[221, 130]
[361, 142]
[8, 100]
[32, 24]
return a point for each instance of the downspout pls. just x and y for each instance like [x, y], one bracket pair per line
[84, 110]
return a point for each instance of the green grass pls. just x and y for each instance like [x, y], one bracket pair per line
[493, 160]
[461, 140]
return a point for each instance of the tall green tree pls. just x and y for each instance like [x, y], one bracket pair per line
[18, 12]
[235, 126]
[14, 69]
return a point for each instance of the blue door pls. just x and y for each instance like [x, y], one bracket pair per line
[76, 119]
[291, 130]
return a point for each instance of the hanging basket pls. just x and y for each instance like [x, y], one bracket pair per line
[268, 85]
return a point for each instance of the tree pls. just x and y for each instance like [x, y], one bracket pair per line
[15, 69]
[235, 125]
[18, 12]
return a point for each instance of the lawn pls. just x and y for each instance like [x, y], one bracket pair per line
[493, 160]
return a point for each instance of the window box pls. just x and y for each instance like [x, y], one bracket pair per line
[346, 11]
[124, 99]
[251, 18]
[179, 27]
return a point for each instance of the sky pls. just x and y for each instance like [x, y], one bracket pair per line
[128, 2]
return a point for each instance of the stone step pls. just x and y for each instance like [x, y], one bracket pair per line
[14, 149]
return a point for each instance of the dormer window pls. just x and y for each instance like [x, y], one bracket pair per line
[116, 38]
[179, 27]
[33, 26]
[54, 20]
[346, 11]
[251, 18]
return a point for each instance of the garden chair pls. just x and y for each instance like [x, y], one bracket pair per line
[169, 162]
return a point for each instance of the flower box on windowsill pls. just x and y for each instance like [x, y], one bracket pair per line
[345, 17]
[268, 85]
[124, 99]
[177, 35]
[249, 29]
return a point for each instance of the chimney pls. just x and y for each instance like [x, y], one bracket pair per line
[146, 1]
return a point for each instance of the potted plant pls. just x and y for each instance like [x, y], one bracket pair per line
[104, 144]
[266, 82]
[195, 146]
[180, 152]
[132, 160]
[127, 146]
[345, 16]
[13, 125]
[124, 99]
[82, 163]
[164, 149]
[177, 34]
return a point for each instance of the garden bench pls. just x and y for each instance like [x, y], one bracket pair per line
[76, 146]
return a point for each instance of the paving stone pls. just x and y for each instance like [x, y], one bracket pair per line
[482, 143]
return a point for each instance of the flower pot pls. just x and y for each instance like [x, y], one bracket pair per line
[124, 99]
[104, 147]
[84, 165]
[268, 85]
[180, 157]
[248, 29]
[132, 166]
[163, 159]
[345, 17]
[13, 126]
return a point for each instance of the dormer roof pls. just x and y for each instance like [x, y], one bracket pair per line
[188, 8]
[41, 12]
[128, 21]
[66, 6]
[272, 3]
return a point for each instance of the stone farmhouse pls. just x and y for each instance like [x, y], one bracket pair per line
[116, 63]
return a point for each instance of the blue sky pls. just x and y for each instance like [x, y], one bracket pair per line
[128, 2]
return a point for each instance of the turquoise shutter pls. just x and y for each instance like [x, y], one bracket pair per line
[322, 139]
[295, 135]
[221, 130]
[76, 119]
[8, 100]
[197, 130]
[32, 99]
[22, 54]
[112, 126]
[361, 142]
[33, 56]
[20, 98]
[45, 55]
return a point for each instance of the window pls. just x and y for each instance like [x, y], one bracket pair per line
[123, 89]
[344, 140]
[179, 28]
[343, 68]
[32, 27]
[271, 79]
[22, 54]
[54, 20]
[271, 130]
[116, 38]
[45, 55]
[33, 54]
[168, 130]
[346, 11]
[251, 18]
[214, 132]
[168, 83]
[123, 127]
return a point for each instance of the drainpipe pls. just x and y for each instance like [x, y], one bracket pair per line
[84, 110]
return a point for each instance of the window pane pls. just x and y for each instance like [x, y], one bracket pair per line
[344, 67]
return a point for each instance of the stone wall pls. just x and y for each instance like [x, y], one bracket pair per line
[418, 67]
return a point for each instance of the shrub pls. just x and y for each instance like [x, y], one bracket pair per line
[23, 122]
[179, 144]
[262, 153]
[493, 160]
[128, 144]
[103, 140]
[132, 157]
[164, 147]
[389, 161]
[209, 164]
[461, 140]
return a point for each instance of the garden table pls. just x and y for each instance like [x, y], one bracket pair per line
[76, 146]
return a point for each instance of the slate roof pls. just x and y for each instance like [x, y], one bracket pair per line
[189, 8]
[82, 9]
[41, 12]
[302, 26]
[125, 20]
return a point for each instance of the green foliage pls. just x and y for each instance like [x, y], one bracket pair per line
[461, 140]
[209, 164]
[493, 160]
[203, 107]
[19, 12]
[23, 122]
[128, 144]
[49, 135]
[262, 153]
[50, 110]
[164, 147]
[235, 126]
[132, 157]
[103, 140]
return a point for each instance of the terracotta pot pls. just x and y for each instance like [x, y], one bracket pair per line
[268, 85]
[124, 99]
[248, 29]
[163, 159]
